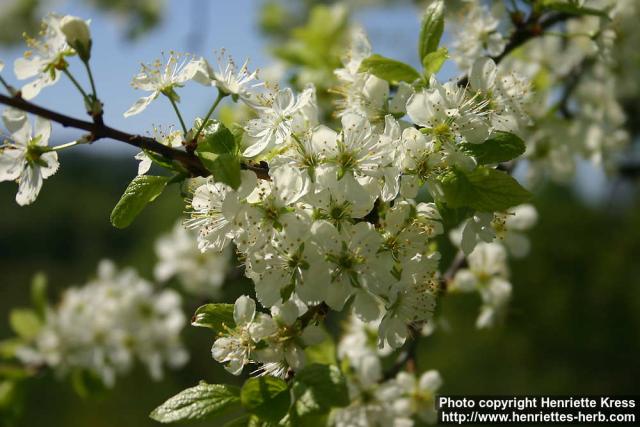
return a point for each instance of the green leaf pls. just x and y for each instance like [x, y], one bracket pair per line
[161, 160]
[214, 316]
[318, 388]
[324, 352]
[217, 149]
[573, 9]
[501, 147]
[483, 189]
[15, 372]
[25, 322]
[267, 397]
[196, 403]
[141, 191]
[389, 69]
[39, 293]
[87, 383]
[431, 29]
[226, 169]
[216, 138]
[433, 61]
[9, 347]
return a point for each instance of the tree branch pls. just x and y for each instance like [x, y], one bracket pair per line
[99, 130]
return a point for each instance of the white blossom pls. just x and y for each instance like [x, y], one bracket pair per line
[487, 274]
[107, 324]
[164, 79]
[46, 58]
[25, 157]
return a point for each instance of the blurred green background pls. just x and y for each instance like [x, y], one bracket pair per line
[574, 321]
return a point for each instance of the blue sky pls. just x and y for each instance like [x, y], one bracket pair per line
[227, 24]
[230, 24]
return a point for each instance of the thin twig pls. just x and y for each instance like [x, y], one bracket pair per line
[99, 130]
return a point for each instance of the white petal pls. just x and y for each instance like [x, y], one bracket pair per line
[29, 186]
[244, 310]
[17, 124]
[51, 159]
[483, 74]
[140, 104]
[12, 162]
[43, 130]
[25, 68]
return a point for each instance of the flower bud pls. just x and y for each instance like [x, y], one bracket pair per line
[76, 31]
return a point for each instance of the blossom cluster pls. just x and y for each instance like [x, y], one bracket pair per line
[576, 112]
[376, 400]
[338, 220]
[105, 326]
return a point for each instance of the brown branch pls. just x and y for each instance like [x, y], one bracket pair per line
[99, 130]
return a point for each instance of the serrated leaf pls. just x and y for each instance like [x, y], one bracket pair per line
[267, 397]
[389, 69]
[216, 138]
[141, 191]
[501, 147]
[433, 61]
[484, 189]
[25, 322]
[318, 388]
[214, 316]
[196, 403]
[431, 29]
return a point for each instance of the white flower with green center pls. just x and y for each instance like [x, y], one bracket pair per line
[229, 79]
[289, 264]
[284, 351]
[46, 58]
[215, 208]
[341, 209]
[280, 117]
[234, 349]
[359, 155]
[25, 157]
[487, 274]
[356, 265]
[159, 78]
[477, 35]
[407, 229]
[413, 300]
[506, 95]
[294, 169]
[450, 115]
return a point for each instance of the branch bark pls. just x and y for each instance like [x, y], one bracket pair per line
[98, 130]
